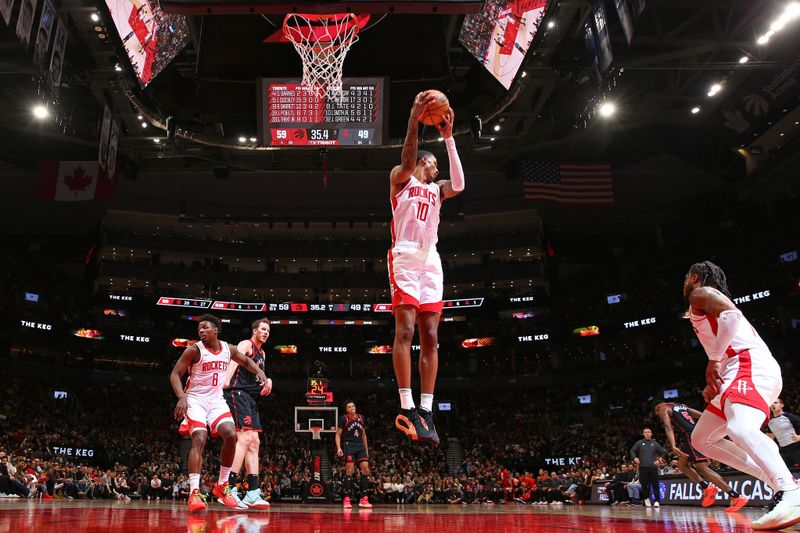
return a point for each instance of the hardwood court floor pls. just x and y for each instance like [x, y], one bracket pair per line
[72, 516]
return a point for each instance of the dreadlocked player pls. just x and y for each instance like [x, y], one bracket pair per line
[742, 381]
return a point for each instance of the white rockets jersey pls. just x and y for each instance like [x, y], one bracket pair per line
[207, 376]
[746, 338]
[415, 213]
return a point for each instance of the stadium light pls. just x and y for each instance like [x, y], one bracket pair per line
[743, 60]
[40, 112]
[607, 109]
[95, 17]
[714, 89]
[695, 110]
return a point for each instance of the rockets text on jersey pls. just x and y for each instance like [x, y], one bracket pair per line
[207, 376]
[415, 213]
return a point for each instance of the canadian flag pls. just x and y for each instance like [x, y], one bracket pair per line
[73, 181]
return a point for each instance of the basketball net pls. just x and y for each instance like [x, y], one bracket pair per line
[322, 41]
[316, 433]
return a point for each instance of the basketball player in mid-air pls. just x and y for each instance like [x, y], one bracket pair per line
[691, 462]
[742, 380]
[355, 452]
[241, 391]
[415, 269]
[202, 405]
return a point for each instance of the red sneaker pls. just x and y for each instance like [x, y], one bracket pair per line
[224, 496]
[346, 503]
[736, 504]
[46, 496]
[197, 502]
[364, 502]
[709, 495]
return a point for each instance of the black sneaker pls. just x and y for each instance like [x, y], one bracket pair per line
[417, 424]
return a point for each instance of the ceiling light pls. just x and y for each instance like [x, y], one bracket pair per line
[40, 112]
[551, 24]
[252, 139]
[95, 17]
[156, 140]
[695, 110]
[139, 117]
[714, 89]
[144, 125]
[118, 68]
[524, 73]
[607, 109]
[242, 139]
[743, 60]
[497, 127]
[763, 39]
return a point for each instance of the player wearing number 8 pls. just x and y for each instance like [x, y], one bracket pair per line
[202, 406]
[415, 269]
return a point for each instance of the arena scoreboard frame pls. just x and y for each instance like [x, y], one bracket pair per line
[290, 115]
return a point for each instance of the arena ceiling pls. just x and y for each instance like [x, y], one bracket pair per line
[679, 48]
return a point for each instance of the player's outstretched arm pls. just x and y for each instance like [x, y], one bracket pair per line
[455, 184]
[408, 159]
[338, 437]
[189, 356]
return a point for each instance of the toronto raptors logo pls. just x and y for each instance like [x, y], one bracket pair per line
[316, 490]
[248, 420]
[742, 387]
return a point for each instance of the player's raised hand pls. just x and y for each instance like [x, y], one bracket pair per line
[180, 408]
[339, 453]
[421, 103]
[267, 388]
[446, 127]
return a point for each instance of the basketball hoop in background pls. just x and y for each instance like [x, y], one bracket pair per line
[322, 42]
[316, 433]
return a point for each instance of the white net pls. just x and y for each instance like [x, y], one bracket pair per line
[316, 433]
[322, 42]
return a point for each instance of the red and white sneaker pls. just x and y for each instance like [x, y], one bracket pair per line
[364, 502]
[346, 503]
[197, 502]
[224, 496]
[709, 495]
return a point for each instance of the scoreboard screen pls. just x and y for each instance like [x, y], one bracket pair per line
[288, 115]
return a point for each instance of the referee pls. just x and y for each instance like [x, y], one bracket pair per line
[644, 453]
[783, 427]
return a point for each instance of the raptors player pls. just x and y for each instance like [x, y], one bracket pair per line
[241, 391]
[742, 380]
[203, 406]
[415, 269]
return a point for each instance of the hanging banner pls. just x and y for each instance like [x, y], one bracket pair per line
[112, 148]
[603, 38]
[25, 22]
[6, 6]
[624, 14]
[57, 56]
[105, 132]
[591, 48]
[46, 21]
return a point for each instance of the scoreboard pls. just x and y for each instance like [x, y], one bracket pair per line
[289, 115]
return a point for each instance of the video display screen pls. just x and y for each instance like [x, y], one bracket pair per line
[151, 38]
[501, 34]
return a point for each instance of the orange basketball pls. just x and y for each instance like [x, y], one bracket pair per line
[434, 114]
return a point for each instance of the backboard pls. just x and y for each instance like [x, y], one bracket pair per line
[307, 417]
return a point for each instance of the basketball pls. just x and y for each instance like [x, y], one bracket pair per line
[435, 113]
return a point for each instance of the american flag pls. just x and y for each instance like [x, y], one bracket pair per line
[567, 183]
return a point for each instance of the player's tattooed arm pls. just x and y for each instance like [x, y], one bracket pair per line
[710, 301]
[408, 159]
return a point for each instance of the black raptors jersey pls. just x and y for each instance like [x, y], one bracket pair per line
[244, 380]
[352, 428]
[682, 419]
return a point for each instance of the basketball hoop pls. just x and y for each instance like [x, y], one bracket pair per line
[316, 433]
[322, 41]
